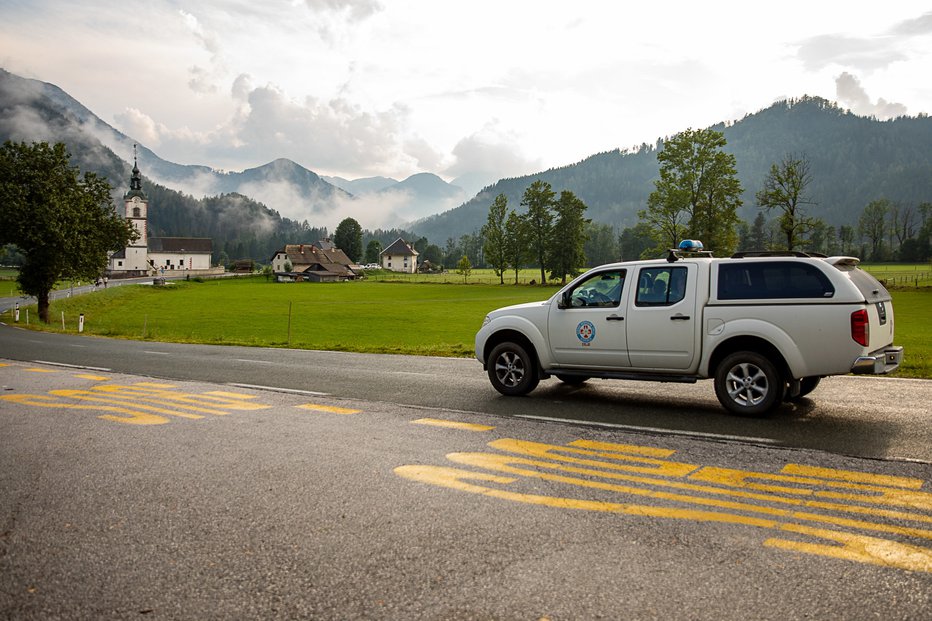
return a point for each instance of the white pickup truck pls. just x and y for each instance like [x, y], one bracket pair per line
[766, 326]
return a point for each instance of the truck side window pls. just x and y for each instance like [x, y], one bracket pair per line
[602, 290]
[772, 280]
[661, 286]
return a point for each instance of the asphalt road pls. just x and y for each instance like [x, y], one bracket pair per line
[197, 482]
[860, 416]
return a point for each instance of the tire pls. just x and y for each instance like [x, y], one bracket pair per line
[573, 380]
[748, 384]
[512, 370]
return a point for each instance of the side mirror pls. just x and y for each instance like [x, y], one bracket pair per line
[566, 300]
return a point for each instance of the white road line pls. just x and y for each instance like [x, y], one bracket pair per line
[671, 432]
[253, 361]
[158, 353]
[73, 366]
[293, 391]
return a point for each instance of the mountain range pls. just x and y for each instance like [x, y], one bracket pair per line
[31, 110]
[854, 160]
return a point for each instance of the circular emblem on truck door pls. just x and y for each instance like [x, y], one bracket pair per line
[585, 332]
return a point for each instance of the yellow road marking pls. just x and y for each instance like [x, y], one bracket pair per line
[710, 494]
[327, 408]
[38, 370]
[452, 424]
[229, 395]
[145, 403]
[854, 547]
[96, 378]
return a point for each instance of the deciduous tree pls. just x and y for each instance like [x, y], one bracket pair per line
[348, 238]
[493, 237]
[697, 194]
[784, 190]
[63, 223]
[873, 225]
[568, 237]
[373, 251]
[538, 198]
[515, 242]
[464, 267]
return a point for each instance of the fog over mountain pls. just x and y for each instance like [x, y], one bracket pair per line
[31, 110]
[854, 160]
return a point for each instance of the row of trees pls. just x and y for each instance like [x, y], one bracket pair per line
[551, 233]
[698, 194]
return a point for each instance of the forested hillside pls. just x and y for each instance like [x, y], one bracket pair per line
[855, 160]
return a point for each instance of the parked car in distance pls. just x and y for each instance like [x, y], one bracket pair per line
[764, 326]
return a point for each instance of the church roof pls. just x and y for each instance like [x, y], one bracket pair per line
[181, 244]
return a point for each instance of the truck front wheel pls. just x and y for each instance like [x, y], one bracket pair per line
[748, 384]
[512, 370]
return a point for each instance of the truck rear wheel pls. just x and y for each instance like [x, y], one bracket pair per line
[512, 370]
[748, 384]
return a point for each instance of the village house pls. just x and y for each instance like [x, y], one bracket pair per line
[312, 263]
[399, 257]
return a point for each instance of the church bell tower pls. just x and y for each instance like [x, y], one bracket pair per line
[136, 204]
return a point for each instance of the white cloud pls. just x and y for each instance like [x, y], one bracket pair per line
[368, 87]
[355, 9]
[852, 95]
[491, 151]
[139, 126]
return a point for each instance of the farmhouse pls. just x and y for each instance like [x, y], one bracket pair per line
[399, 257]
[312, 263]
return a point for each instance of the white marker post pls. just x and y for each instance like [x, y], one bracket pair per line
[16, 314]
[81, 322]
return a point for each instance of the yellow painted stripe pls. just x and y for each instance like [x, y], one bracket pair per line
[96, 378]
[154, 385]
[853, 477]
[859, 548]
[229, 395]
[327, 408]
[4, 364]
[38, 370]
[452, 424]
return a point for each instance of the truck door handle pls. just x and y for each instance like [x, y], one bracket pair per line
[679, 317]
[614, 318]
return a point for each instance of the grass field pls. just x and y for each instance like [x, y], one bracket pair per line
[366, 316]
[362, 316]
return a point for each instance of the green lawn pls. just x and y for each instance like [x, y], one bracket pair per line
[366, 316]
[381, 317]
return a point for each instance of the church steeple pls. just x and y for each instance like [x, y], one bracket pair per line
[135, 182]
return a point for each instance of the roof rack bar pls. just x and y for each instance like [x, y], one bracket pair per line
[772, 253]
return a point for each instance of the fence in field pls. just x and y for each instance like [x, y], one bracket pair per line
[902, 276]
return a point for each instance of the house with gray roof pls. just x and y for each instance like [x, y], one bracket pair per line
[312, 263]
[399, 257]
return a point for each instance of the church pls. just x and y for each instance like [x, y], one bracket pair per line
[148, 256]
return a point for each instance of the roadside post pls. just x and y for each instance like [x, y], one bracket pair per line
[16, 313]
[81, 322]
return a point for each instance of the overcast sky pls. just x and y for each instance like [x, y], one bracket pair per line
[360, 88]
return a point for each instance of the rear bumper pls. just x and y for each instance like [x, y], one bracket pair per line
[879, 362]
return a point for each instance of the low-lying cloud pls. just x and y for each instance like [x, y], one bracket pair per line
[851, 94]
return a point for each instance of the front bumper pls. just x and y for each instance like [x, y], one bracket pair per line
[879, 362]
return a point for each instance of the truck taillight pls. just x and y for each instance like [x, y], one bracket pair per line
[860, 327]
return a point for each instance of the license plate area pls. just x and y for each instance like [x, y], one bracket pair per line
[882, 312]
